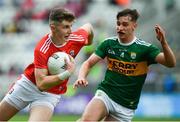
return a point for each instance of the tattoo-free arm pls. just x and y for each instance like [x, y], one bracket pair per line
[89, 29]
[167, 57]
[84, 70]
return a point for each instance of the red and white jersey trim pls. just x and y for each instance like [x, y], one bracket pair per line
[76, 37]
[45, 46]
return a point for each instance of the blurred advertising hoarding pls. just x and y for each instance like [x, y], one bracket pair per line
[159, 105]
[150, 105]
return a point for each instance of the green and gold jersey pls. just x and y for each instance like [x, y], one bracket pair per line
[127, 68]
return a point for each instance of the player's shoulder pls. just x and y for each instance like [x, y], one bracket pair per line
[43, 44]
[141, 42]
[87, 27]
[112, 38]
[78, 35]
[79, 31]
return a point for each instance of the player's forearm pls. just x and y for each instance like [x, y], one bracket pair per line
[169, 55]
[48, 82]
[84, 70]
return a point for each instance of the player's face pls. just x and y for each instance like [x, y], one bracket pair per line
[125, 28]
[63, 30]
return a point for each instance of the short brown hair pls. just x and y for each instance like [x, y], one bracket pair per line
[128, 12]
[60, 14]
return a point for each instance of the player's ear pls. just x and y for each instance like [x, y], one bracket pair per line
[53, 28]
[134, 25]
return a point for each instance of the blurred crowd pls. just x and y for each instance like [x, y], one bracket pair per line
[23, 22]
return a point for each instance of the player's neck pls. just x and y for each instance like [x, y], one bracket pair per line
[57, 41]
[127, 40]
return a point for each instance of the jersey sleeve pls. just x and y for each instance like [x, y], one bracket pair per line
[40, 60]
[83, 35]
[101, 49]
[152, 53]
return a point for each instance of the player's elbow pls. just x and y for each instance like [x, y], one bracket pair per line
[171, 65]
[89, 29]
[89, 42]
[90, 39]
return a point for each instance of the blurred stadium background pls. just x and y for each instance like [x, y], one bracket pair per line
[24, 22]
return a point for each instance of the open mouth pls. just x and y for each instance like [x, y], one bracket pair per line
[66, 37]
[121, 33]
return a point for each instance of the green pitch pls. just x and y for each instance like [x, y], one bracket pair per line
[22, 117]
[54, 118]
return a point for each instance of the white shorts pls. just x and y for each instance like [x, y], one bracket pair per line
[115, 110]
[25, 93]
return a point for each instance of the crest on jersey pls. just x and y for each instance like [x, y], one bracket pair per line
[72, 53]
[133, 55]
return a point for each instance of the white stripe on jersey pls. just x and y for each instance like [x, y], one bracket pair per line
[141, 42]
[76, 37]
[45, 46]
[79, 36]
[47, 43]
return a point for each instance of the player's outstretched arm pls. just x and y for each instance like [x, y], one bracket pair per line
[88, 28]
[84, 70]
[167, 57]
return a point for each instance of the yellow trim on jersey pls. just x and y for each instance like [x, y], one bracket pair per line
[127, 68]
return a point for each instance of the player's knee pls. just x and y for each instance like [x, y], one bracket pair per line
[85, 118]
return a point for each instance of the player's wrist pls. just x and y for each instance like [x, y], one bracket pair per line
[81, 78]
[64, 75]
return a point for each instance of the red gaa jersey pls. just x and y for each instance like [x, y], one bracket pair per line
[45, 48]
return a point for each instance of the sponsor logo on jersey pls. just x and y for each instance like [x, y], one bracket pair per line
[111, 52]
[127, 68]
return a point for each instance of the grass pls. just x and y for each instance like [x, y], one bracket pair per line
[155, 119]
[24, 117]
[21, 117]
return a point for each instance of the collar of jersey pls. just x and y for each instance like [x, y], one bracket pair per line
[55, 44]
[127, 44]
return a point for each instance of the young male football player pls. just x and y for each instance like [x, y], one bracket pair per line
[36, 87]
[128, 58]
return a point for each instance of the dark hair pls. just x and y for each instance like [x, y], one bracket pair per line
[60, 14]
[128, 12]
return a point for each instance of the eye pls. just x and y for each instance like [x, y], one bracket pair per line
[65, 26]
[125, 24]
[118, 23]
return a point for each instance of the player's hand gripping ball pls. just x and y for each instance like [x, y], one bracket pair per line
[57, 64]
